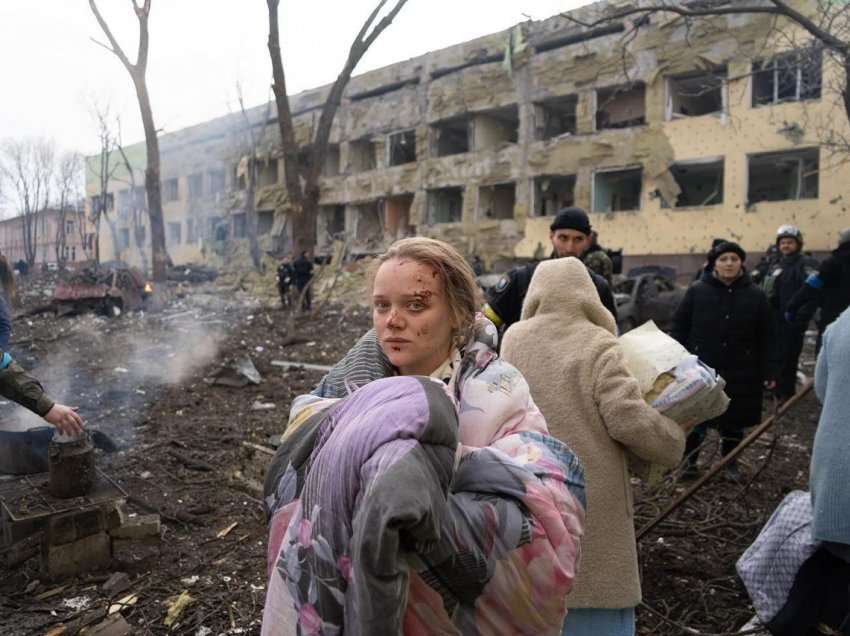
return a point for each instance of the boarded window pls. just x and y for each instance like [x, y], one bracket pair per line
[495, 127]
[555, 117]
[450, 137]
[196, 186]
[445, 205]
[621, 107]
[551, 193]
[496, 201]
[790, 77]
[361, 155]
[696, 94]
[617, 190]
[783, 176]
[402, 147]
[170, 190]
[701, 183]
[265, 221]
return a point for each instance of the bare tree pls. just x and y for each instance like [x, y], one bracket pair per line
[27, 167]
[302, 181]
[68, 183]
[137, 72]
[824, 25]
[104, 168]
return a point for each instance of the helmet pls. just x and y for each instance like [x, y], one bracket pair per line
[789, 231]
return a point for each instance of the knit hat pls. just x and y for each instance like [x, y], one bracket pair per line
[725, 247]
[844, 236]
[571, 219]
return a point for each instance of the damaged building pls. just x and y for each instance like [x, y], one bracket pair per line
[699, 130]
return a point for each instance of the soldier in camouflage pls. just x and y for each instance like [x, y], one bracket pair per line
[597, 260]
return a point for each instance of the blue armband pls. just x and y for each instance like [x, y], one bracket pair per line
[814, 281]
[6, 360]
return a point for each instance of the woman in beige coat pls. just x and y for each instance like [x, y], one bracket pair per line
[566, 347]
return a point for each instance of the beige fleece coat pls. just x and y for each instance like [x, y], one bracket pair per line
[566, 348]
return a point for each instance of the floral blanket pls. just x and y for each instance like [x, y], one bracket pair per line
[414, 507]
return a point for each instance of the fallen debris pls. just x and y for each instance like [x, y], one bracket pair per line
[176, 605]
[117, 583]
[227, 530]
[241, 373]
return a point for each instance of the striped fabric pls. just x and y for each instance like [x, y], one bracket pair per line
[364, 363]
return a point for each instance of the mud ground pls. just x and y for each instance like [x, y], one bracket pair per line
[146, 379]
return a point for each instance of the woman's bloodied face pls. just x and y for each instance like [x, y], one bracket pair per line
[411, 316]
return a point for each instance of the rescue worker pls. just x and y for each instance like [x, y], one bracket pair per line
[570, 236]
[302, 270]
[828, 289]
[786, 279]
[26, 451]
[597, 259]
[284, 281]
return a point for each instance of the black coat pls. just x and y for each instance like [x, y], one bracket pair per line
[830, 291]
[732, 329]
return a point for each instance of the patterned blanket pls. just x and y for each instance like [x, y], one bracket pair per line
[401, 509]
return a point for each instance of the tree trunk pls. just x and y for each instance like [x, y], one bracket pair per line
[152, 183]
[251, 220]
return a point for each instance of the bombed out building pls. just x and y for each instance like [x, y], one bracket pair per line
[713, 128]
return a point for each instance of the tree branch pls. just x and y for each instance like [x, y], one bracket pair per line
[116, 48]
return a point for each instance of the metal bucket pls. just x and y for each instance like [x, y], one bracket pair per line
[70, 463]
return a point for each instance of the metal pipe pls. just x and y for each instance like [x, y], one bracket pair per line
[749, 439]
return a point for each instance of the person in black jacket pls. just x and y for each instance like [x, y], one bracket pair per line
[725, 320]
[828, 289]
[787, 278]
[302, 270]
[569, 234]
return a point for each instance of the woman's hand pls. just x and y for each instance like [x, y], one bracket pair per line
[770, 384]
[66, 419]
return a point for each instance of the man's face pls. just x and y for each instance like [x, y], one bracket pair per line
[569, 242]
[788, 246]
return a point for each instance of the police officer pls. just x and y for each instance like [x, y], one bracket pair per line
[783, 282]
[284, 281]
[570, 236]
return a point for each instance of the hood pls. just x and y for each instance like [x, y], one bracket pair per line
[562, 288]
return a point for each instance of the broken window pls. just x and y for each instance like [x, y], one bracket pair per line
[216, 181]
[266, 173]
[330, 224]
[170, 190]
[175, 233]
[445, 205]
[402, 148]
[790, 77]
[782, 176]
[555, 117]
[495, 127]
[191, 231]
[361, 155]
[450, 137]
[701, 183]
[696, 94]
[196, 186]
[265, 221]
[240, 225]
[397, 216]
[496, 201]
[331, 167]
[552, 193]
[368, 222]
[617, 190]
[621, 107]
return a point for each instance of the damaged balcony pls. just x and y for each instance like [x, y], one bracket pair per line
[696, 94]
[617, 190]
[783, 176]
[552, 193]
[496, 201]
[621, 106]
[700, 183]
[445, 205]
[554, 117]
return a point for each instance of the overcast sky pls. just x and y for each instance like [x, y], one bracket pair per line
[52, 71]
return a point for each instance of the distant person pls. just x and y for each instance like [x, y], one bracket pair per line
[725, 320]
[285, 274]
[22, 267]
[597, 260]
[765, 265]
[477, 265]
[569, 234]
[303, 273]
[787, 278]
[827, 290]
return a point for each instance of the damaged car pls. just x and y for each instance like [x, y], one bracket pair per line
[647, 293]
[107, 289]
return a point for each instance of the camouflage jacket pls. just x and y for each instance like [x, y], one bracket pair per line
[600, 263]
[18, 385]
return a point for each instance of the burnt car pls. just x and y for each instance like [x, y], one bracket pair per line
[647, 293]
[107, 290]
